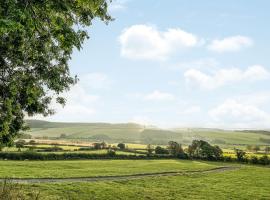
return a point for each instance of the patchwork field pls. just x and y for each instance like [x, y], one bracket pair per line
[135, 133]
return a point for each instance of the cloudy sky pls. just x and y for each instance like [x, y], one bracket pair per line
[175, 63]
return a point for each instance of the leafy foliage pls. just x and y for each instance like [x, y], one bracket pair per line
[202, 149]
[37, 38]
[240, 154]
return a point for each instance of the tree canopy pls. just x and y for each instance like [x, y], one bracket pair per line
[37, 38]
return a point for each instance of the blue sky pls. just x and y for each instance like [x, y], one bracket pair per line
[175, 63]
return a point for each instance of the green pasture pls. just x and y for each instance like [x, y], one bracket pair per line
[89, 168]
[246, 182]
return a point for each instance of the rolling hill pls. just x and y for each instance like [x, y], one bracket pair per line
[135, 133]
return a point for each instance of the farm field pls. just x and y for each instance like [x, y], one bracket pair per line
[138, 134]
[89, 168]
[245, 182]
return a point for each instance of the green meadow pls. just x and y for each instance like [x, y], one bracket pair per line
[244, 182]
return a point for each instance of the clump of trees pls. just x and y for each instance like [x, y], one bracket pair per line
[176, 149]
[99, 145]
[161, 150]
[203, 150]
[20, 144]
[121, 146]
[240, 154]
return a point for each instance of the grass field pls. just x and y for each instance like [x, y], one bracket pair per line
[135, 133]
[60, 169]
[247, 182]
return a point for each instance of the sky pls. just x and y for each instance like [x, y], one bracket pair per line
[175, 63]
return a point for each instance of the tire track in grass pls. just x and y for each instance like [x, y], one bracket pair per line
[120, 177]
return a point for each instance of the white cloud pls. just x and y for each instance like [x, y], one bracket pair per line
[146, 42]
[233, 113]
[159, 96]
[95, 81]
[80, 104]
[225, 76]
[230, 44]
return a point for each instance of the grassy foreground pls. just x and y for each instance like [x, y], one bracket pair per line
[89, 168]
[249, 182]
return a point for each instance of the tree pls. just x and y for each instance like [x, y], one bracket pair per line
[20, 144]
[202, 149]
[37, 38]
[175, 148]
[240, 154]
[32, 142]
[121, 146]
[160, 150]
[97, 145]
[63, 135]
[267, 150]
[149, 149]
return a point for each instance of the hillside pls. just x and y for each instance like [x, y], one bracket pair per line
[135, 133]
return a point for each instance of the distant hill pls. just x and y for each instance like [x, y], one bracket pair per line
[136, 133]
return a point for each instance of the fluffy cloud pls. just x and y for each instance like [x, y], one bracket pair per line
[237, 114]
[80, 105]
[230, 44]
[224, 76]
[146, 42]
[159, 96]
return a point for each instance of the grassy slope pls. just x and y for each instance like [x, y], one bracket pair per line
[249, 182]
[135, 133]
[89, 168]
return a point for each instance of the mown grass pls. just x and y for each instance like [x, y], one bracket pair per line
[90, 168]
[249, 182]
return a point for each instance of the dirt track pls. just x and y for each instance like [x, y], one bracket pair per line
[120, 177]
